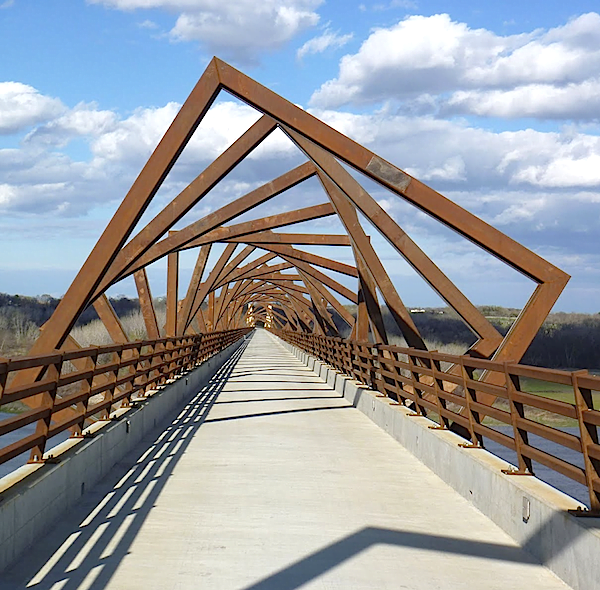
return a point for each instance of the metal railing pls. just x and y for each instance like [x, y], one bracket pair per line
[78, 386]
[449, 390]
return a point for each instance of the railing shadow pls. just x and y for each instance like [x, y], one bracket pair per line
[111, 515]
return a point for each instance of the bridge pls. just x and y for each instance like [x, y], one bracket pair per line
[267, 436]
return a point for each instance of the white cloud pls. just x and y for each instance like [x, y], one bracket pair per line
[22, 106]
[238, 31]
[452, 169]
[148, 24]
[328, 39]
[536, 185]
[545, 101]
[83, 120]
[542, 73]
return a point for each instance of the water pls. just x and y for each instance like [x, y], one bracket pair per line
[557, 480]
[566, 485]
[11, 437]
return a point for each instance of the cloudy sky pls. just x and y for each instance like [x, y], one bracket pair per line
[494, 104]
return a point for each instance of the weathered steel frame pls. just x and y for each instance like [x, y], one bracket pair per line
[114, 257]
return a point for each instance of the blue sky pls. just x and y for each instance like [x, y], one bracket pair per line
[493, 104]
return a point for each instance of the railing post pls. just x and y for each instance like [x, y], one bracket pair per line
[516, 412]
[42, 428]
[415, 375]
[470, 397]
[438, 385]
[91, 362]
[588, 434]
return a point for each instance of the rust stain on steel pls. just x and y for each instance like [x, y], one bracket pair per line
[388, 173]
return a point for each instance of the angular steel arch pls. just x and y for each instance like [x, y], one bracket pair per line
[306, 297]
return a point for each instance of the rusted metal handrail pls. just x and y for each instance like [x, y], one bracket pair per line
[64, 399]
[414, 377]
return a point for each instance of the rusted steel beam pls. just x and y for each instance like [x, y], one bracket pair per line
[283, 288]
[79, 294]
[189, 197]
[217, 218]
[111, 320]
[254, 264]
[270, 276]
[288, 285]
[386, 174]
[206, 287]
[313, 259]
[172, 294]
[323, 278]
[341, 310]
[334, 175]
[211, 311]
[184, 319]
[146, 304]
[319, 309]
[362, 246]
[259, 226]
[297, 239]
[233, 265]
[373, 311]
[300, 305]
[360, 331]
[231, 291]
[264, 270]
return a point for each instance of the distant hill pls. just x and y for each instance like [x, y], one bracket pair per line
[39, 309]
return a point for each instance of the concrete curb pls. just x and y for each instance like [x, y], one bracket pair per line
[33, 497]
[533, 513]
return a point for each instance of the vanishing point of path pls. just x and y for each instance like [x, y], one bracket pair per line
[269, 480]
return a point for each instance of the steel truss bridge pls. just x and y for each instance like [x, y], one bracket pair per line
[297, 295]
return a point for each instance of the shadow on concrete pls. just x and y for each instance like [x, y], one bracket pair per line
[281, 399]
[318, 563]
[277, 413]
[111, 515]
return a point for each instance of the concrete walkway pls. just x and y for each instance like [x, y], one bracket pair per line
[269, 480]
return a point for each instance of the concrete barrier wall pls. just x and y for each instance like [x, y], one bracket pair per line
[533, 513]
[33, 497]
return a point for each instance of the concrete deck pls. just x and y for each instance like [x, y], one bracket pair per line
[268, 479]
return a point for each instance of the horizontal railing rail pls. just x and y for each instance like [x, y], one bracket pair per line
[446, 388]
[77, 387]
